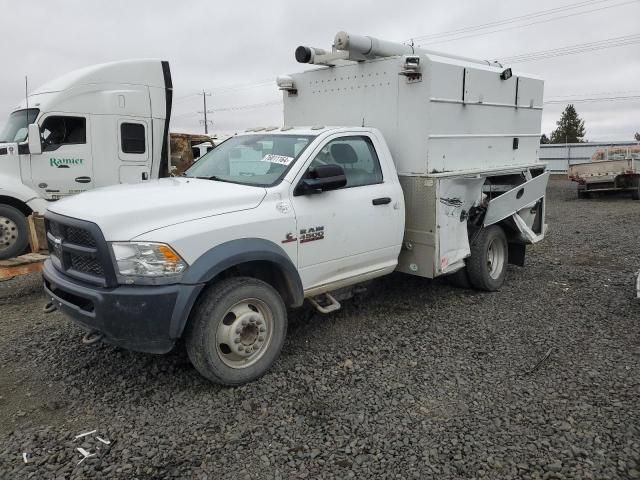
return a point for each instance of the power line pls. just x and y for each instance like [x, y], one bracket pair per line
[184, 97]
[248, 107]
[506, 21]
[594, 99]
[234, 108]
[235, 87]
[574, 49]
[545, 20]
[620, 92]
[228, 89]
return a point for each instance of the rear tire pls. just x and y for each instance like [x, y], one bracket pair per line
[487, 266]
[460, 279]
[14, 232]
[583, 194]
[236, 331]
[635, 193]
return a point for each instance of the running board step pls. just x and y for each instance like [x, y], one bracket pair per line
[325, 303]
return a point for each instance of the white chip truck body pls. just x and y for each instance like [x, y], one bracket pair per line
[390, 159]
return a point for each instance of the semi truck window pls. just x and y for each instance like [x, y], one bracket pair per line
[16, 128]
[356, 155]
[132, 138]
[61, 130]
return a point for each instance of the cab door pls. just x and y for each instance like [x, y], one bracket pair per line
[134, 140]
[65, 166]
[355, 230]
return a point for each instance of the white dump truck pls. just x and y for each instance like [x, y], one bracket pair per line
[391, 158]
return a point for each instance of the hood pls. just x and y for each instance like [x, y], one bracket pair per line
[126, 211]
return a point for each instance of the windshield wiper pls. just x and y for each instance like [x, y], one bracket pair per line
[213, 177]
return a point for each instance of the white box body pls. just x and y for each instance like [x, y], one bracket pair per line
[459, 116]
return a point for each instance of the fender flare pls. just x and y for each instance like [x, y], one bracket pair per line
[13, 188]
[228, 255]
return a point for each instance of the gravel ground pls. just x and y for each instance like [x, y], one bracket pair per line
[415, 379]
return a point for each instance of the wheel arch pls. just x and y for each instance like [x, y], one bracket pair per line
[253, 257]
[17, 204]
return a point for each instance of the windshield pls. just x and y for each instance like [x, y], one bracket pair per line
[16, 129]
[260, 160]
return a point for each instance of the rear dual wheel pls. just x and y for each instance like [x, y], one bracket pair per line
[486, 268]
[236, 331]
[635, 193]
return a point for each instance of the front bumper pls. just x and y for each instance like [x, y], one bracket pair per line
[140, 318]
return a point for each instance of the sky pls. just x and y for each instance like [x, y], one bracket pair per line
[235, 50]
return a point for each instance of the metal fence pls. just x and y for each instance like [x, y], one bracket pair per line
[559, 156]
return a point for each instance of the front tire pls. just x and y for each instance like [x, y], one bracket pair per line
[236, 331]
[487, 266]
[14, 232]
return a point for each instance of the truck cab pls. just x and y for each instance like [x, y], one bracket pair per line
[93, 127]
[293, 212]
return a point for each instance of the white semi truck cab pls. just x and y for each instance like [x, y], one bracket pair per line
[409, 161]
[93, 127]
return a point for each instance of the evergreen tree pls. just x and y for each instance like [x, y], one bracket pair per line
[544, 139]
[637, 136]
[570, 127]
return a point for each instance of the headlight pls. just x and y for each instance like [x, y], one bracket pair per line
[149, 263]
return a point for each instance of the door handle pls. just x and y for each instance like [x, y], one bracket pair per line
[381, 201]
[83, 179]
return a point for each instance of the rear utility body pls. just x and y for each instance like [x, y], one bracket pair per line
[461, 133]
[431, 170]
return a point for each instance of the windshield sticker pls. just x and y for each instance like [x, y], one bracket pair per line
[279, 159]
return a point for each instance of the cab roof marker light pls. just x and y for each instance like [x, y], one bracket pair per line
[285, 82]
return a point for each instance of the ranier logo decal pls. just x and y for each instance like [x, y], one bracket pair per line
[64, 162]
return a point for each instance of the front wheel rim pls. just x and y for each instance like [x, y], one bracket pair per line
[244, 333]
[8, 233]
[496, 253]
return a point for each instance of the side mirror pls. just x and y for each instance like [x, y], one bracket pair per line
[35, 144]
[321, 179]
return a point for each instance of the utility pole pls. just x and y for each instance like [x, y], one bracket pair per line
[205, 94]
